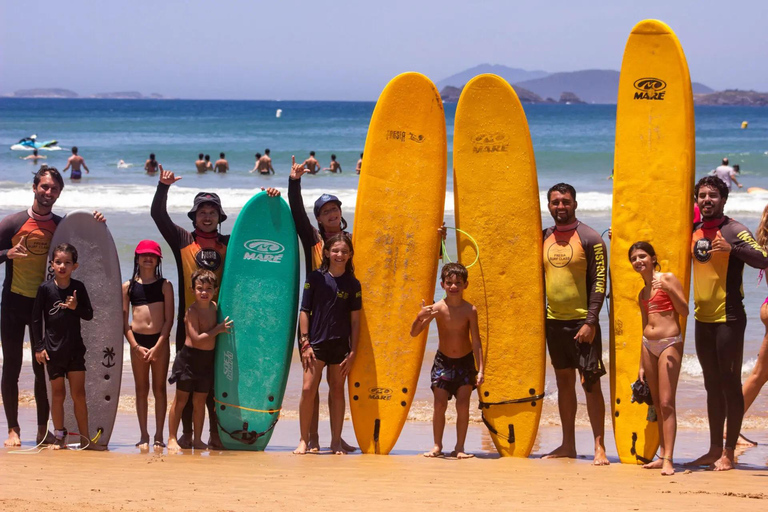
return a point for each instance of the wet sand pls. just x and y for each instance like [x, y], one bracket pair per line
[124, 479]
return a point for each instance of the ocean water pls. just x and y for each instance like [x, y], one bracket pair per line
[573, 143]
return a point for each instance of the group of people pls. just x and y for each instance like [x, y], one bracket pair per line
[574, 261]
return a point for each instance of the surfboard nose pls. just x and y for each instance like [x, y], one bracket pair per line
[652, 27]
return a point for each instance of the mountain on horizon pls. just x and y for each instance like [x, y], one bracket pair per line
[511, 75]
[591, 85]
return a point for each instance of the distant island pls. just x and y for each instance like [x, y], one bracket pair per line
[66, 93]
[733, 97]
[451, 94]
[598, 86]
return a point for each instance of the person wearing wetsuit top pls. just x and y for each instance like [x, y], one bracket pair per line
[204, 248]
[720, 248]
[25, 239]
[327, 211]
[575, 276]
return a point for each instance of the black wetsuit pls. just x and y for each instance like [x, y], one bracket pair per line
[721, 319]
[23, 276]
[192, 251]
[56, 328]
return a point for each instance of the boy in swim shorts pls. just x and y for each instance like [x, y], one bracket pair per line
[193, 367]
[453, 372]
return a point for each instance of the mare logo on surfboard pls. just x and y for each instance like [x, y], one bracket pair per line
[650, 89]
[263, 250]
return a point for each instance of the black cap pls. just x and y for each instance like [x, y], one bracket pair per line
[207, 197]
[323, 200]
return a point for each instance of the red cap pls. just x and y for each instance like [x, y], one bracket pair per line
[149, 247]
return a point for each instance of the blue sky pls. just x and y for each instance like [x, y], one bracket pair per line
[348, 50]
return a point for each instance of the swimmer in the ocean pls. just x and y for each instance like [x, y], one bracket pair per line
[334, 165]
[34, 156]
[311, 163]
[151, 165]
[76, 161]
[122, 165]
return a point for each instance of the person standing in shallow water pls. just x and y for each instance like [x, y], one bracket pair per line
[330, 222]
[720, 248]
[575, 274]
[25, 238]
[204, 248]
[662, 305]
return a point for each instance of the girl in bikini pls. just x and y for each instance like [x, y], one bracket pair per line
[151, 299]
[662, 304]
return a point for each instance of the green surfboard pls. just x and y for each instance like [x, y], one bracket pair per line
[259, 292]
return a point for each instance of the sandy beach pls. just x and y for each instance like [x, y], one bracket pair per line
[126, 479]
[278, 480]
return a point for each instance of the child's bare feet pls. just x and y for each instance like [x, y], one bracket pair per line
[93, 447]
[435, 453]
[708, 458]
[600, 458]
[143, 443]
[336, 449]
[301, 449]
[13, 437]
[159, 444]
[314, 443]
[561, 452]
[185, 441]
[348, 447]
[45, 437]
[725, 462]
[214, 441]
[657, 464]
[461, 455]
[199, 445]
[668, 468]
[173, 445]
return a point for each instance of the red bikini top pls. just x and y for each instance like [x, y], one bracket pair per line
[658, 303]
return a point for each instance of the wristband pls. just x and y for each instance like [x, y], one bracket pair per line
[305, 347]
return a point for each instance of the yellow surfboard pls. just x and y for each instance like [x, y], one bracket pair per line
[493, 163]
[652, 201]
[400, 202]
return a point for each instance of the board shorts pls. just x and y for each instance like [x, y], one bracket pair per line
[565, 352]
[76, 175]
[331, 351]
[146, 340]
[60, 366]
[450, 374]
[193, 370]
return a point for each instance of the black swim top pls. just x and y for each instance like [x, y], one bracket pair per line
[142, 294]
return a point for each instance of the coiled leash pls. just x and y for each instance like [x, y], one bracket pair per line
[244, 435]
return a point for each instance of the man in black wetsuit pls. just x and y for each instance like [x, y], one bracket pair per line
[720, 247]
[25, 239]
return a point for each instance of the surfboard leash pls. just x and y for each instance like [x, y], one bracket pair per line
[474, 242]
[245, 435]
[487, 405]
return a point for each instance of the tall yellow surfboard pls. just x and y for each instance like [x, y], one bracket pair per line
[400, 202]
[493, 165]
[652, 201]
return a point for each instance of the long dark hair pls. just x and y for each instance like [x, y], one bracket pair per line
[340, 237]
[158, 271]
[648, 248]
